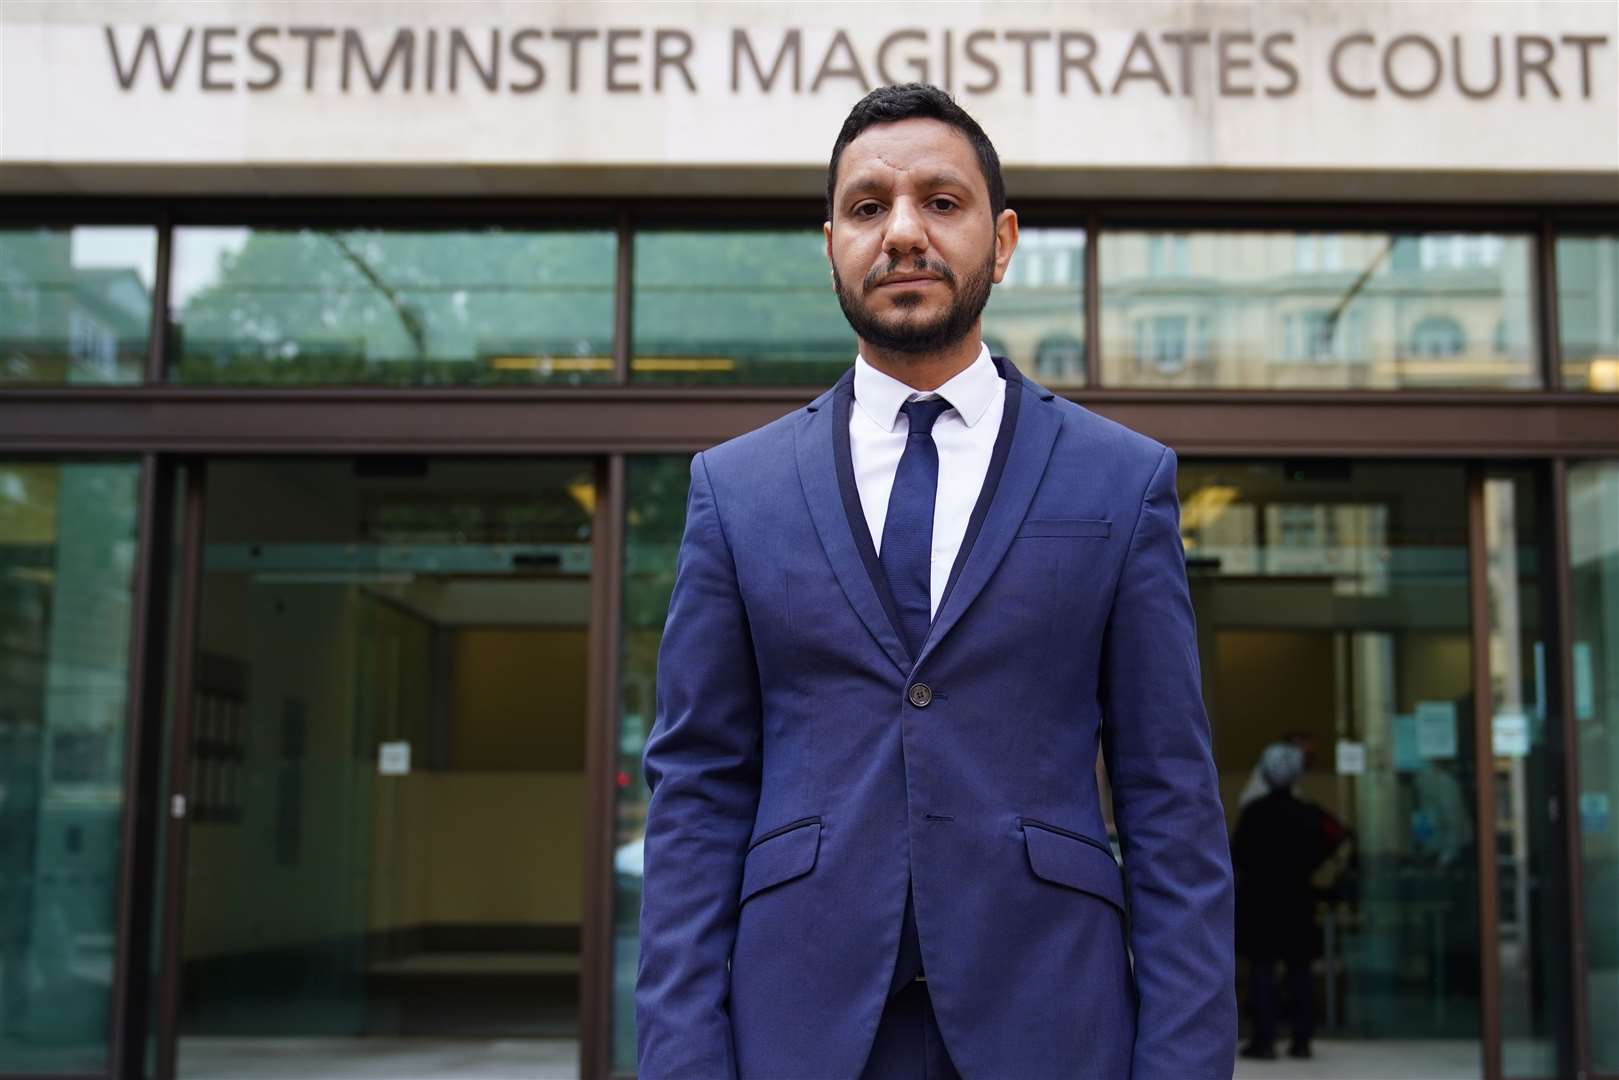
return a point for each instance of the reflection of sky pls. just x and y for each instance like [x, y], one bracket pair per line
[196, 260]
[118, 248]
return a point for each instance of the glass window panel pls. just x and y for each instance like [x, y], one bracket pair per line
[67, 552]
[75, 304]
[751, 306]
[655, 514]
[352, 306]
[739, 306]
[1593, 511]
[1588, 311]
[1036, 315]
[1353, 310]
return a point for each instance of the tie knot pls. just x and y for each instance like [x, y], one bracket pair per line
[923, 414]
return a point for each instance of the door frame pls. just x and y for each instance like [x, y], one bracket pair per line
[601, 704]
[173, 800]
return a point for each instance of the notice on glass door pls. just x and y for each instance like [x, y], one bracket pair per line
[1436, 729]
[393, 758]
[1510, 734]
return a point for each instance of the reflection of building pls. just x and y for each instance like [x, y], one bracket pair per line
[1356, 310]
[65, 321]
[351, 428]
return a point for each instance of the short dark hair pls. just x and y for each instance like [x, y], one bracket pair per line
[886, 104]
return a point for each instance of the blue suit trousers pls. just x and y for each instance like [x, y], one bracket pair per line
[909, 1045]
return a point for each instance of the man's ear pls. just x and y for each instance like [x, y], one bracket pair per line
[826, 230]
[1005, 241]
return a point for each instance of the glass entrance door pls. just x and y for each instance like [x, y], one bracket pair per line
[1332, 605]
[384, 858]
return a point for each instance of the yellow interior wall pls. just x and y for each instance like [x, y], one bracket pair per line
[498, 837]
[30, 518]
[1435, 667]
[519, 700]
[478, 848]
[1270, 683]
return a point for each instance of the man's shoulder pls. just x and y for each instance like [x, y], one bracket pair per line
[1098, 436]
[774, 438]
[757, 457]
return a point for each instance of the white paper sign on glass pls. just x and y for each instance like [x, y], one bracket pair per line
[1351, 758]
[393, 758]
[1436, 729]
[1510, 734]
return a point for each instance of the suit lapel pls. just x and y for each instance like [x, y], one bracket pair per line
[822, 444]
[1037, 422]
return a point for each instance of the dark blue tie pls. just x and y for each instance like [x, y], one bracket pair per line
[907, 551]
[907, 558]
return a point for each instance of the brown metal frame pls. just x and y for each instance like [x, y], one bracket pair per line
[143, 756]
[1578, 967]
[156, 358]
[188, 613]
[596, 963]
[1489, 899]
[161, 422]
[1551, 342]
[623, 299]
[1093, 300]
[592, 420]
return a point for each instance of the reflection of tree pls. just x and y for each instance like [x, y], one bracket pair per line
[403, 307]
[761, 300]
[408, 318]
[656, 513]
[744, 305]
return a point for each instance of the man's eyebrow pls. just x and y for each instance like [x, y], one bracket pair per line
[945, 179]
[876, 185]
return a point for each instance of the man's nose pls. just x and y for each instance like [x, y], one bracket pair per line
[906, 234]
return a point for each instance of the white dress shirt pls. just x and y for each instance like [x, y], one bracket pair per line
[964, 435]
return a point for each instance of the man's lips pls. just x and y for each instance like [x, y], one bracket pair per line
[908, 279]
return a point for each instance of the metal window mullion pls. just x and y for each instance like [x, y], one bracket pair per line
[623, 299]
[1093, 302]
[1546, 322]
[157, 351]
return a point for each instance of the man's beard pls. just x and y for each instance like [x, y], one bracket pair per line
[971, 294]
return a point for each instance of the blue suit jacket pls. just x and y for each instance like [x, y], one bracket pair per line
[797, 786]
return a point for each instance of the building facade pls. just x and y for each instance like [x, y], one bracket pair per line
[352, 357]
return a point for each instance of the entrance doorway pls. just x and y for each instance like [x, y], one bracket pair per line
[384, 851]
[1334, 614]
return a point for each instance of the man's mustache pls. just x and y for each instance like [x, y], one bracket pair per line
[924, 265]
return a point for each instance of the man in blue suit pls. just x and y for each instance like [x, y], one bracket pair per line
[904, 619]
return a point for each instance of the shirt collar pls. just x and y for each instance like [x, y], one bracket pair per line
[970, 391]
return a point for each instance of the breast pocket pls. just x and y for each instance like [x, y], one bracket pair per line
[1092, 528]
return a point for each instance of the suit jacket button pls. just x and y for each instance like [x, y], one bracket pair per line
[920, 695]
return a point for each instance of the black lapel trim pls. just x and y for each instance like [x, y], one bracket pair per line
[992, 477]
[842, 402]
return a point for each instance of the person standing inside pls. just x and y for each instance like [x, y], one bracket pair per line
[904, 618]
[1281, 841]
